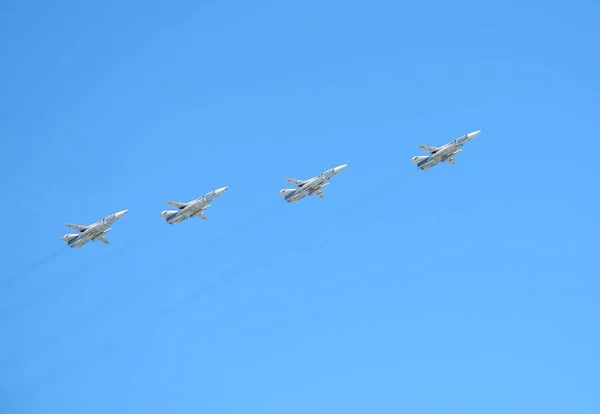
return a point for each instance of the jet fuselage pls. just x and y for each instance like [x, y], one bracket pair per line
[94, 230]
[192, 208]
[311, 186]
[444, 153]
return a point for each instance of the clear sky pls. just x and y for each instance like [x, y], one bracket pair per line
[469, 289]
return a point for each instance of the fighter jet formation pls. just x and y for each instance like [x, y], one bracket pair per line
[311, 187]
[304, 188]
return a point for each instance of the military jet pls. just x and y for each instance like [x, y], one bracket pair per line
[311, 187]
[445, 153]
[194, 208]
[94, 232]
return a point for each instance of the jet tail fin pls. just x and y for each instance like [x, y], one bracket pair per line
[286, 191]
[418, 159]
[68, 237]
[168, 213]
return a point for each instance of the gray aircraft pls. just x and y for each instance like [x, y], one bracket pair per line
[194, 208]
[311, 187]
[445, 153]
[94, 232]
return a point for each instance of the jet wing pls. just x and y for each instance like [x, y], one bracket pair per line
[297, 183]
[451, 161]
[200, 214]
[77, 227]
[320, 195]
[177, 204]
[102, 239]
[428, 148]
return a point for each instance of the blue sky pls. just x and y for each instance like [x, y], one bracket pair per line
[464, 289]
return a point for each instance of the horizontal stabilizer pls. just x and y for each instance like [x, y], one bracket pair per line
[429, 149]
[451, 161]
[176, 204]
[77, 227]
[298, 183]
[320, 195]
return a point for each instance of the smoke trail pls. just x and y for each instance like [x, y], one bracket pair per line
[87, 270]
[31, 269]
[226, 275]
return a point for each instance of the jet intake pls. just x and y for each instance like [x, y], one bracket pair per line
[168, 213]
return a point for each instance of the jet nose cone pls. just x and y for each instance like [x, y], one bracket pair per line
[222, 189]
[340, 168]
[474, 134]
[122, 213]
